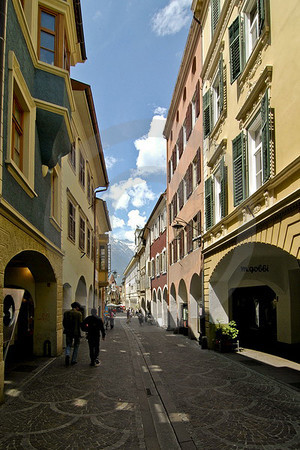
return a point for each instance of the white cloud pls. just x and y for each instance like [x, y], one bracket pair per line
[152, 148]
[135, 220]
[117, 222]
[110, 161]
[172, 18]
[160, 111]
[134, 190]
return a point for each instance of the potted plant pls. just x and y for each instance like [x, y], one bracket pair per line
[226, 337]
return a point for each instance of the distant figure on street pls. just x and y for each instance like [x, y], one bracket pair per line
[141, 317]
[112, 319]
[129, 314]
[71, 323]
[93, 325]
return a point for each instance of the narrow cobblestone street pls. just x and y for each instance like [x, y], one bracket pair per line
[153, 390]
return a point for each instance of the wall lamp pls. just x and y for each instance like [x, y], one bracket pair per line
[179, 224]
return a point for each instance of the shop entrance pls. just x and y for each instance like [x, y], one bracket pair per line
[254, 311]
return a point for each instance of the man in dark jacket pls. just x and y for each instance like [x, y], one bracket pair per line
[71, 322]
[92, 325]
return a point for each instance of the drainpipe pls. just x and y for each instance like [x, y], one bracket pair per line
[3, 15]
[95, 248]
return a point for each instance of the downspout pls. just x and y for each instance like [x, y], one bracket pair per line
[3, 15]
[95, 248]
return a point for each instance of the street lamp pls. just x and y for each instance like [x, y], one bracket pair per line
[179, 224]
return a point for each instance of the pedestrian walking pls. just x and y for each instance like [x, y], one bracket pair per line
[141, 318]
[112, 319]
[93, 325]
[129, 314]
[71, 323]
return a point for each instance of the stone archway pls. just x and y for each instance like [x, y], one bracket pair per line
[32, 271]
[172, 316]
[183, 313]
[196, 309]
[159, 307]
[154, 304]
[253, 274]
[81, 294]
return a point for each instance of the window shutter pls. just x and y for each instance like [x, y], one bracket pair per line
[190, 236]
[181, 244]
[180, 142]
[199, 227]
[170, 213]
[169, 171]
[175, 205]
[215, 14]
[261, 14]
[189, 181]
[197, 99]
[265, 136]
[180, 195]
[235, 49]
[174, 159]
[239, 169]
[198, 169]
[221, 84]
[188, 121]
[206, 113]
[175, 248]
[224, 202]
[209, 202]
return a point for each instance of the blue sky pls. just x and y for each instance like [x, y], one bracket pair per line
[134, 50]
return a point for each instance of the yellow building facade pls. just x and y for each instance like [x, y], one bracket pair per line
[250, 102]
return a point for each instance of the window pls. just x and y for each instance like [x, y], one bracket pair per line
[71, 221]
[81, 170]
[244, 34]
[197, 231]
[157, 265]
[82, 233]
[214, 100]
[17, 134]
[88, 242]
[216, 196]
[48, 36]
[72, 156]
[152, 268]
[251, 154]
[215, 14]
[89, 188]
[55, 195]
[194, 65]
[103, 258]
[164, 261]
[21, 128]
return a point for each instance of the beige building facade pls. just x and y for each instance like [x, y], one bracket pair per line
[84, 216]
[251, 101]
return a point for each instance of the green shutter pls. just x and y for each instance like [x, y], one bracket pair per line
[209, 212]
[224, 202]
[265, 136]
[215, 14]
[221, 83]
[239, 169]
[235, 49]
[206, 113]
[261, 14]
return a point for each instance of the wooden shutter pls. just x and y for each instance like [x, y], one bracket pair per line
[221, 84]
[170, 213]
[198, 168]
[239, 169]
[175, 205]
[188, 122]
[224, 202]
[189, 180]
[180, 195]
[181, 244]
[199, 227]
[197, 99]
[265, 136]
[261, 14]
[206, 113]
[189, 230]
[209, 202]
[175, 250]
[169, 171]
[235, 49]
[215, 14]
[174, 159]
[180, 142]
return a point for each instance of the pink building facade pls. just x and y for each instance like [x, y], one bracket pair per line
[183, 131]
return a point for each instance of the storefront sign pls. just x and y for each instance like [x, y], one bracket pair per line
[255, 269]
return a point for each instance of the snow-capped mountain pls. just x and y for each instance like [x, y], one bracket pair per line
[121, 254]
